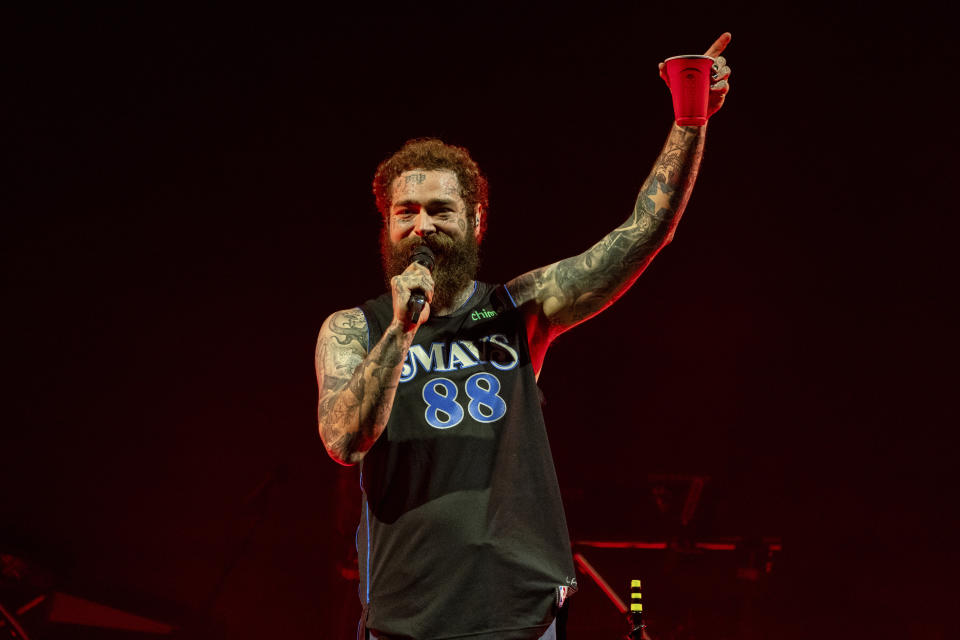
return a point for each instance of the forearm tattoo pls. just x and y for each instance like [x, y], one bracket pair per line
[577, 288]
[356, 392]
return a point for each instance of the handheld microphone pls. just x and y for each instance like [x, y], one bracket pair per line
[421, 255]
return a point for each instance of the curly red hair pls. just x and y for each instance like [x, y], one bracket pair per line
[432, 154]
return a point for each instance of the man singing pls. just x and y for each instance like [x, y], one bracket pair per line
[462, 531]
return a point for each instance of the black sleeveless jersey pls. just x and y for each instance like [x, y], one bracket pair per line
[462, 530]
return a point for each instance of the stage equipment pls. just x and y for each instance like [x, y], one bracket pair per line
[696, 581]
[31, 607]
[636, 612]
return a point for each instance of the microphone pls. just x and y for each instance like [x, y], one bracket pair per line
[421, 255]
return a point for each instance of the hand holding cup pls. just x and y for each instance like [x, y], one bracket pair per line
[699, 84]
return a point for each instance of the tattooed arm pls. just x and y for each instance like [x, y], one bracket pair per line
[356, 386]
[358, 383]
[564, 294]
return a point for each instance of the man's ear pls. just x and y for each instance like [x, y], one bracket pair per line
[477, 217]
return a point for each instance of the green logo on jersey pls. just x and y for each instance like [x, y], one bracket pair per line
[482, 314]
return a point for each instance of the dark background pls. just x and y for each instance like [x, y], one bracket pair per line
[186, 198]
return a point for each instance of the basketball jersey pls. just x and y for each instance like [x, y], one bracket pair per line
[462, 530]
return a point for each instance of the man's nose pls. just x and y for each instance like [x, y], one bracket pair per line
[423, 224]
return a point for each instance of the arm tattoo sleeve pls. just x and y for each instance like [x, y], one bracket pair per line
[572, 290]
[356, 387]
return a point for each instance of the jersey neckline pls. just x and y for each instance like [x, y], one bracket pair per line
[462, 307]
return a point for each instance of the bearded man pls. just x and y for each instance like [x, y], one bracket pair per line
[462, 531]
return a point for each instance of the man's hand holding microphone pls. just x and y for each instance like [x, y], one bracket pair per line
[413, 290]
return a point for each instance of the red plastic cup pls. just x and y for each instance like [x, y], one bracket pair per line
[689, 78]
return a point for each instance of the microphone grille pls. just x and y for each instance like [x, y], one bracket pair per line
[423, 255]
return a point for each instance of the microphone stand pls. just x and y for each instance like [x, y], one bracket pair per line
[638, 628]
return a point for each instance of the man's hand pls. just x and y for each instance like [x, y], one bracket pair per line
[719, 77]
[415, 276]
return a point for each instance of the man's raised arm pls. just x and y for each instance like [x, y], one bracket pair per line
[563, 294]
